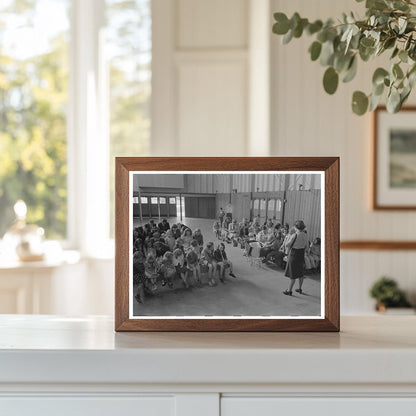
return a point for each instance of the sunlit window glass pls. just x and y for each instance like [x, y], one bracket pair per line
[129, 46]
[33, 105]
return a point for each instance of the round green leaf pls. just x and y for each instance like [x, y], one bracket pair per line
[393, 101]
[281, 27]
[403, 56]
[351, 71]
[330, 80]
[378, 90]
[359, 103]
[315, 50]
[379, 75]
[367, 42]
[288, 37]
[342, 61]
[327, 54]
[366, 53]
[389, 43]
[374, 102]
[397, 71]
[314, 27]
[395, 52]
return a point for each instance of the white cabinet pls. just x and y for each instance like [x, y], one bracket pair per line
[52, 365]
[88, 406]
[323, 406]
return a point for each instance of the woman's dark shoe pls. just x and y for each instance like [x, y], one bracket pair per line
[287, 292]
[298, 290]
[233, 275]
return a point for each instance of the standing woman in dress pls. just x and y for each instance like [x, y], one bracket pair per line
[294, 267]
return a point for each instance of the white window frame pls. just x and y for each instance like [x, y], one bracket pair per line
[87, 132]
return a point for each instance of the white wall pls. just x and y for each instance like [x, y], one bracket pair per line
[200, 77]
[209, 99]
[308, 122]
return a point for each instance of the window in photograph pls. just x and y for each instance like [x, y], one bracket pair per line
[262, 210]
[129, 56]
[153, 200]
[172, 200]
[162, 200]
[271, 208]
[144, 200]
[33, 106]
[278, 205]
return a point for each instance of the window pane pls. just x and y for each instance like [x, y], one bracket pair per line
[153, 200]
[162, 200]
[135, 200]
[172, 200]
[33, 101]
[143, 200]
[129, 46]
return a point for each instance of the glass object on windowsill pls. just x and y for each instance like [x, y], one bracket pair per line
[24, 241]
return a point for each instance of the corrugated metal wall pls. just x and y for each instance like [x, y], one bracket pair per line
[306, 206]
[223, 183]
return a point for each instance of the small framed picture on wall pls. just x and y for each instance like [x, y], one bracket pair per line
[394, 162]
[227, 244]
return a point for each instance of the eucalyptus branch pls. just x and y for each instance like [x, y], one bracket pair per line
[389, 25]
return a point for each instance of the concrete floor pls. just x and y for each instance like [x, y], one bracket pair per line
[255, 292]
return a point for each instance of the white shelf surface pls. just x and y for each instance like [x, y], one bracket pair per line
[53, 349]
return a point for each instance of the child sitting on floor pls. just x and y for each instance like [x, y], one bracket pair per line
[151, 271]
[168, 269]
[192, 261]
[139, 277]
[208, 260]
[179, 263]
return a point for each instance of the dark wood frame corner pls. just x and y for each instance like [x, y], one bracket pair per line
[375, 205]
[329, 165]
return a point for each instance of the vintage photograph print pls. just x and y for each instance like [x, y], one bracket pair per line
[394, 178]
[221, 247]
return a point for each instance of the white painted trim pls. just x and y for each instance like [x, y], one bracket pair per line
[88, 134]
[163, 126]
[259, 78]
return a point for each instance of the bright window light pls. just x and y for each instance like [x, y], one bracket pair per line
[33, 110]
[129, 54]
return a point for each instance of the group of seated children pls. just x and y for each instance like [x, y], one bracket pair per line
[162, 253]
[269, 241]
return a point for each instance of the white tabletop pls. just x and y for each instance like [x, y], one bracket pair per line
[57, 349]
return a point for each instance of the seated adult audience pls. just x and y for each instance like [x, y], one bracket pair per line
[263, 236]
[222, 261]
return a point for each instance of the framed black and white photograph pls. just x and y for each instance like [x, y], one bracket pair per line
[216, 245]
[394, 178]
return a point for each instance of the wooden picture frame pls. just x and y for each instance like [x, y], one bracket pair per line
[327, 167]
[390, 191]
